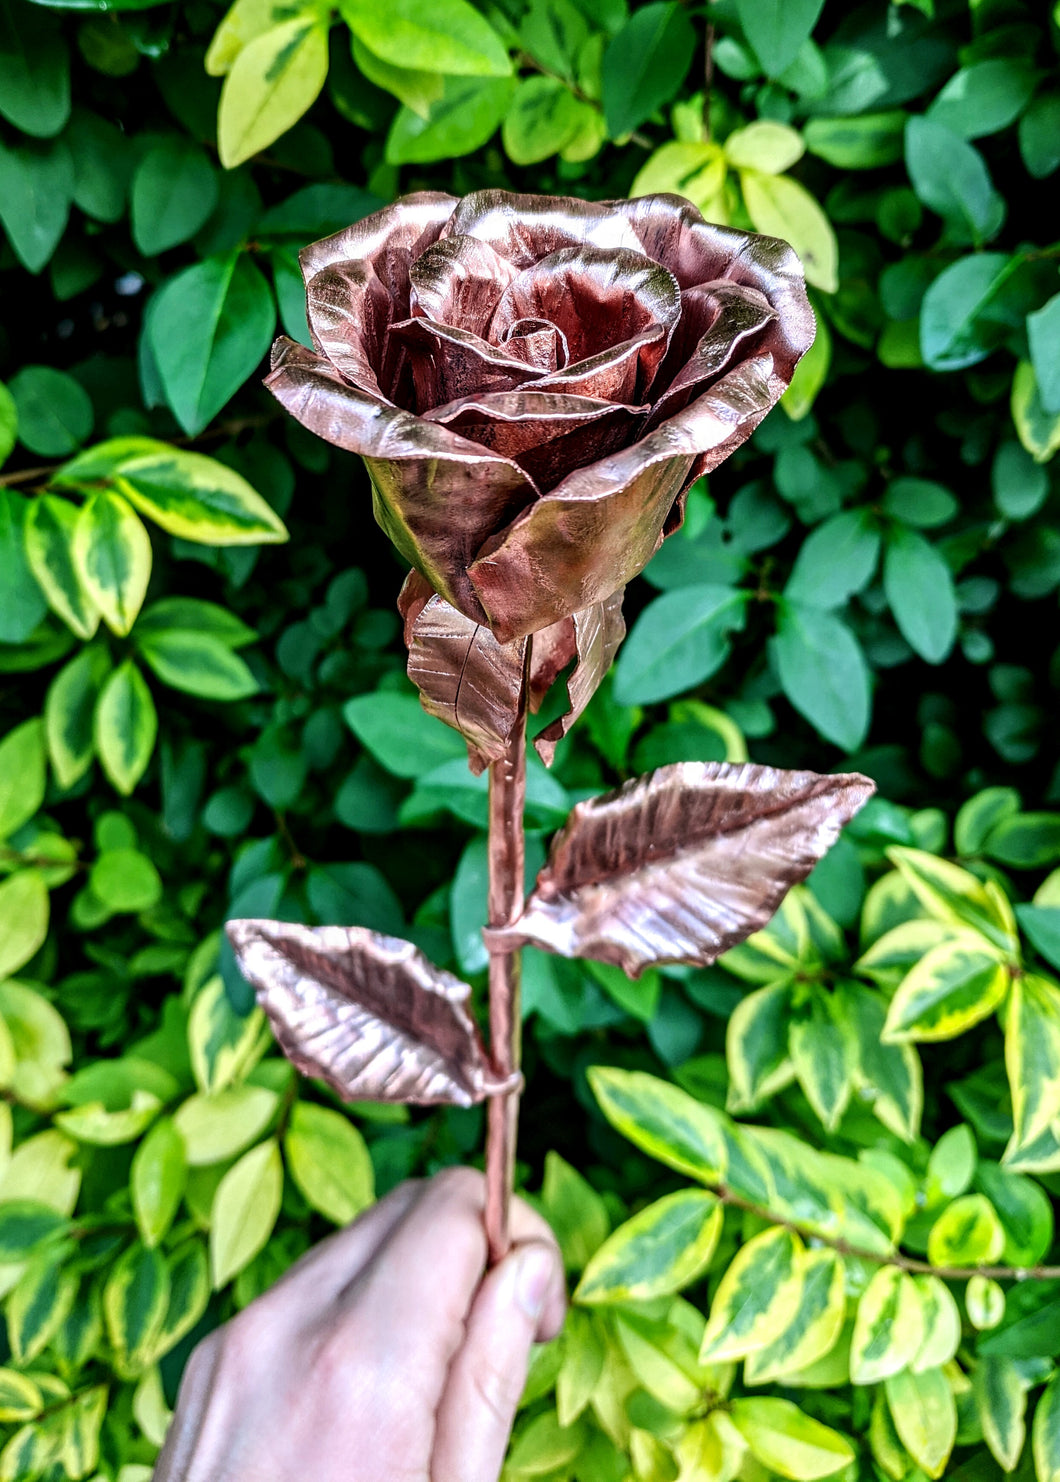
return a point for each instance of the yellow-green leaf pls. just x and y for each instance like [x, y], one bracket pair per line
[242, 24]
[329, 1161]
[966, 1233]
[448, 36]
[955, 985]
[42, 1168]
[957, 896]
[756, 1047]
[888, 1328]
[1038, 429]
[224, 1045]
[135, 1299]
[584, 1353]
[764, 145]
[810, 374]
[50, 528]
[273, 81]
[192, 496]
[1032, 1058]
[925, 1417]
[125, 727]
[189, 1293]
[20, 1398]
[22, 775]
[413, 86]
[23, 919]
[823, 1049]
[694, 170]
[1046, 1433]
[663, 1121]
[783, 208]
[984, 1300]
[69, 708]
[1001, 1400]
[159, 1172]
[38, 1305]
[216, 1125]
[788, 1442]
[757, 1297]
[942, 1324]
[112, 552]
[244, 1210]
[660, 1250]
[815, 1328]
[578, 1215]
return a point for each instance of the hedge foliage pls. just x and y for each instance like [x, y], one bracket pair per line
[780, 1184]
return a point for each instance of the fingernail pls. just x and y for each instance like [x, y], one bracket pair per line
[533, 1280]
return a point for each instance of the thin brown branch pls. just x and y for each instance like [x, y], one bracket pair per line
[903, 1263]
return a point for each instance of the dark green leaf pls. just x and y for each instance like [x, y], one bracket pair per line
[645, 63]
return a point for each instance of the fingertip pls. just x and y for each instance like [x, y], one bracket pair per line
[540, 1287]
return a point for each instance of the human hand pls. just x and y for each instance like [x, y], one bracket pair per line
[386, 1354]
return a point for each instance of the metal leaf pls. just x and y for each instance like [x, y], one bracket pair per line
[464, 676]
[366, 1013]
[681, 864]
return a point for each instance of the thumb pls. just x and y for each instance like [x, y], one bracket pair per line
[520, 1300]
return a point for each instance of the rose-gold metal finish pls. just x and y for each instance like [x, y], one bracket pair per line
[534, 382]
[681, 864]
[598, 631]
[464, 676]
[366, 1013]
[507, 796]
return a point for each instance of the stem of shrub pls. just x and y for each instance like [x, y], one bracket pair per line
[507, 851]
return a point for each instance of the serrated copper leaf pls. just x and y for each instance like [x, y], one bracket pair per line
[473, 683]
[683, 863]
[365, 1012]
[464, 676]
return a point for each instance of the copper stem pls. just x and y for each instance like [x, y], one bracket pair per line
[507, 853]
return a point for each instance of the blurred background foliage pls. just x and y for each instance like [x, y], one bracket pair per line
[198, 720]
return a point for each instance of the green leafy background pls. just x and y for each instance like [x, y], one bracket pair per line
[793, 1191]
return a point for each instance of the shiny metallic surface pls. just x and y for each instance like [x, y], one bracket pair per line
[598, 631]
[464, 676]
[683, 863]
[534, 382]
[507, 856]
[474, 684]
[366, 1013]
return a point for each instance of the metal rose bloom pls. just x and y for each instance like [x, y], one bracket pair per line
[535, 381]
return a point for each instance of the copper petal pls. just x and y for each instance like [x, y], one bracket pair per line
[683, 863]
[366, 1013]
[464, 676]
[599, 298]
[459, 281]
[449, 362]
[597, 529]
[671, 230]
[523, 228]
[736, 322]
[349, 312]
[389, 239]
[435, 492]
[545, 432]
[598, 631]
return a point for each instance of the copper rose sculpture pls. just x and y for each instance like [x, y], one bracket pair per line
[533, 384]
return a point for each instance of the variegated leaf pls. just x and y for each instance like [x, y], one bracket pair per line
[366, 1013]
[682, 863]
